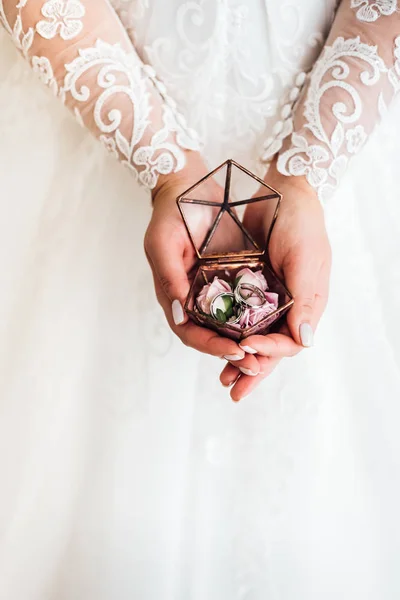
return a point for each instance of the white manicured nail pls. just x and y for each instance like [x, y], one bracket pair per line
[248, 349]
[230, 384]
[234, 357]
[306, 335]
[177, 312]
[248, 372]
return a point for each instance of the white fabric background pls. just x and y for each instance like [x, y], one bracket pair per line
[126, 471]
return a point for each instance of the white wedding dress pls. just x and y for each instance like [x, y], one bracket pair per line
[126, 470]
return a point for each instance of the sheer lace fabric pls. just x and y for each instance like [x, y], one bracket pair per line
[346, 93]
[83, 53]
[126, 471]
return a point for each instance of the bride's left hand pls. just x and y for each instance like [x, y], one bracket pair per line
[171, 257]
[300, 254]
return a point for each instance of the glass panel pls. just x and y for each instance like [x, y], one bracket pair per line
[243, 226]
[244, 186]
[227, 237]
[228, 272]
[211, 189]
[255, 202]
[199, 219]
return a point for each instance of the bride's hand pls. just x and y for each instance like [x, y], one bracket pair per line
[171, 257]
[300, 255]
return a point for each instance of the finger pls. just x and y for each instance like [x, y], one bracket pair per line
[249, 365]
[229, 375]
[274, 345]
[170, 270]
[245, 385]
[301, 273]
[200, 338]
[174, 311]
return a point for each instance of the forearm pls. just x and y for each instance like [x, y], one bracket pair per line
[81, 51]
[350, 86]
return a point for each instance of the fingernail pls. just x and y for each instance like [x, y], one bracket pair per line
[234, 357]
[306, 335]
[227, 385]
[248, 372]
[177, 312]
[248, 349]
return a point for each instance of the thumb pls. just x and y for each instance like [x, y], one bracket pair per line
[169, 269]
[301, 276]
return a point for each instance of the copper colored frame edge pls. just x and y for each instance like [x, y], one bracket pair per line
[212, 231]
[246, 260]
[248, 331]
[228, 163]
[185, 200]
[270, 188]
[210, 174]
[188, 230]
[243, 228]
[278, 311]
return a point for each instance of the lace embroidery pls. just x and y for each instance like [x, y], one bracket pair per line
[355, 139]
[42, 66]
[370, 11]
[186, 136]
[64, 16]
[324, 161]
[394, 72]
[22, 40]
[106, 85]
[284, 127]
[129, 12]
[111, 62]
[216, 107]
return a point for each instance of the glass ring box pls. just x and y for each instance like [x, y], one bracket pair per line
[229, 226]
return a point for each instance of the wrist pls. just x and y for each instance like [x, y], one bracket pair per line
[173, 184]
[285, 182]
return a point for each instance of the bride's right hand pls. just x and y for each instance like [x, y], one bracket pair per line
[300, 255]
[171, 256]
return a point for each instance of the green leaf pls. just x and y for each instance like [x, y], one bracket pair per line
[228, 302]
[220, 315]
[237, 281]
[229, 312]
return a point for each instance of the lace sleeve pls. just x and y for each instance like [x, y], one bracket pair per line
[343, 97]
[81, 51]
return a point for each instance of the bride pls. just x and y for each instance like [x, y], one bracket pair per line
[126, 471]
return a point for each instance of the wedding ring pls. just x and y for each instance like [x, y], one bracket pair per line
[213, 307]
[245, 291]
[237, 308]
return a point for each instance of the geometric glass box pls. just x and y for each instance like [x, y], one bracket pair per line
[214, 212]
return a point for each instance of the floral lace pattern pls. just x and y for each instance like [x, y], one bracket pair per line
[324, 161]
[42, 66]
[130, 12]
[371, 10]
[105, 83]
[348, 90]
[284, 127]
[63, 17]
[204, 37]
[253, 481]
